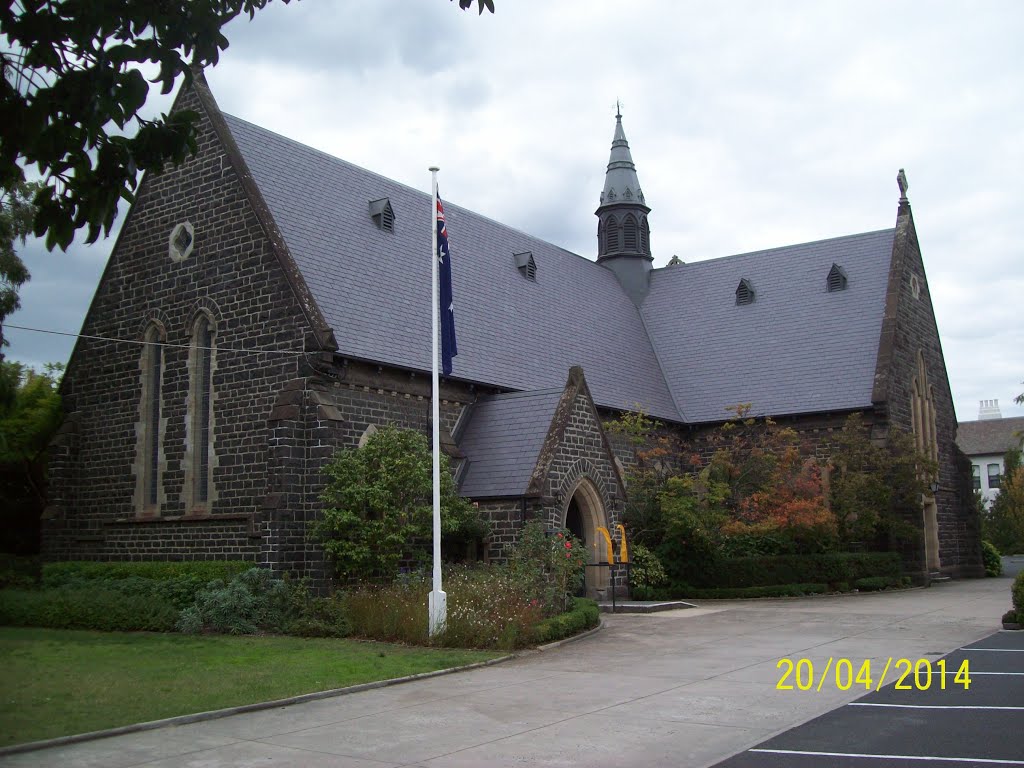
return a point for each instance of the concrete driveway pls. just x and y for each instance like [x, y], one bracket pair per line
[680, 688]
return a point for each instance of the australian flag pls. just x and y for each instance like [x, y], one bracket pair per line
[446, 305]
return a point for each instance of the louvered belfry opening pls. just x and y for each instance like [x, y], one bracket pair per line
[630, 235]
[611, 235]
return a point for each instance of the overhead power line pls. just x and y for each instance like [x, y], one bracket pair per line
[142, 342]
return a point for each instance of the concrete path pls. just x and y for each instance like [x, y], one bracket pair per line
[680, 688]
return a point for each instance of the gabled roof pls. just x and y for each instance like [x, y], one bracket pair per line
[796, 349]
[687, 354]
[372, 286]
[990, 436]
[502, 441]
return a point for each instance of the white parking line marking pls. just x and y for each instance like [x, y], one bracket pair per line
[891, 757]
[926, 706]
[996, 650]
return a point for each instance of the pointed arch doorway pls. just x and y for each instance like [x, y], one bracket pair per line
[584, 513]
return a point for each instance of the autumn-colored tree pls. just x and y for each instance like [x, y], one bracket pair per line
[655, 453]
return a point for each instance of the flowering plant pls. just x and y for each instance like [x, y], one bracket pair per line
[551, 565]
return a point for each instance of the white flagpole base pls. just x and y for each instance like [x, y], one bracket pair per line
[437, 606]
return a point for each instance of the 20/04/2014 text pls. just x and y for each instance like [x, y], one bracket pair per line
[844, 674]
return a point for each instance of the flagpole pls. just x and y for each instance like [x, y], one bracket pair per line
[437, 603]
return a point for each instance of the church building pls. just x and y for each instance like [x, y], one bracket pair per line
[266, 304]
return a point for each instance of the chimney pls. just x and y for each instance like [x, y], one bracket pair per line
[989, 409]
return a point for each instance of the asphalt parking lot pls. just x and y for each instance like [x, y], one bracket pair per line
[924, 724]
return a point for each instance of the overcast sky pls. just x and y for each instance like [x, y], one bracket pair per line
[752, 125]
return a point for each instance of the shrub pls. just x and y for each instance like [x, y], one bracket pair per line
[1017, 591]
[550, 568]
[583, 615]
[59, 574]
[876, 583]
[990, 557]
[488, 607]
[394, 613]
[253, 601]
[829, 568]
[1011, 617]
[645, 568]
[1003, 523]
[734, 593]
[319, 616]
[92, 608]
[380, 508]
[693, 511]
[177, 583]
[17, 572]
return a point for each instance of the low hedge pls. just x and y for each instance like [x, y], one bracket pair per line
[174, 582]
[832, 568]
[92, 608]
[876, 583]
[61, 574]
[583, 615]
[731, 593]
[18, 571]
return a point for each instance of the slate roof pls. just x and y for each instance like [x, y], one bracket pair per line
[373, 286]
[687, 354]
[502, 441]
[989, 436]
[796, 349]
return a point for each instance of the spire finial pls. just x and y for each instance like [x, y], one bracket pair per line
[618, 110]
[903, 184]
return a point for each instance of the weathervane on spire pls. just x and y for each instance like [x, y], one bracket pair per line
[618, 110]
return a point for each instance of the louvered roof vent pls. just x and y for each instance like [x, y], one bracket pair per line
[836, 280]
[383, 214]
[526, 265]
[744, 292]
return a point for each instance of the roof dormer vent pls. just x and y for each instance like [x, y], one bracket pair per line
[526, 265]
[744, 292]
[836, 280]
[383, 214]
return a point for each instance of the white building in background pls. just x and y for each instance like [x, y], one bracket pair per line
[986, 442]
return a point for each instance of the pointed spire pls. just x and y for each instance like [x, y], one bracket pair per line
[623, 234]
[620, 182]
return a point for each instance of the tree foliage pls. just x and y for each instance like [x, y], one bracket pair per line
[875, 490]
[30, 414]
[752, 487]
[1004, 521]
[379, 511]
[17, 214]
[73, 91]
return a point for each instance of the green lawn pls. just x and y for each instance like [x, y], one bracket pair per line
[60, 682]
